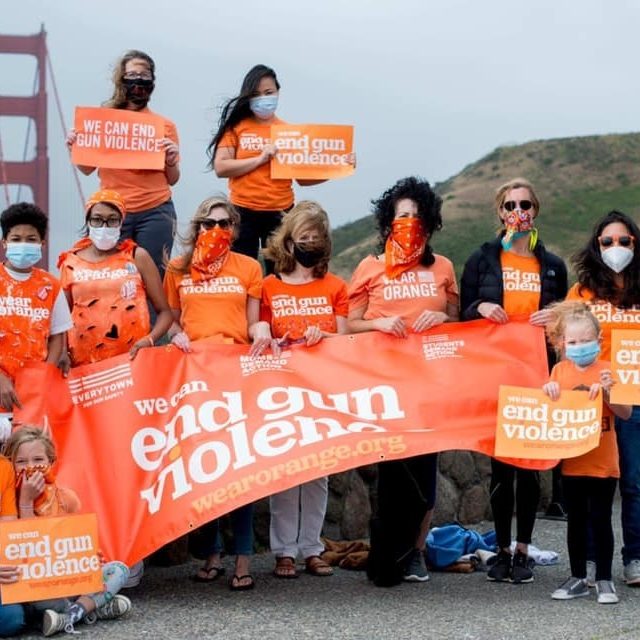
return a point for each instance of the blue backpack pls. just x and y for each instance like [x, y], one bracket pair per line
[446, 544]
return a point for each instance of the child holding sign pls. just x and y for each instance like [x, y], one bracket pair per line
[33, 454]
[590, 479]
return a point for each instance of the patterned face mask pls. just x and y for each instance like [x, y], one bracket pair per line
[210, 253]
[518, 223]
[404, 247]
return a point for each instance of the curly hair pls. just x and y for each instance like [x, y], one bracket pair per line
[237, 109]
[429, 206]
[119, 98]
[563, 313]
[183, 263]
[24, 213]
[594, 275]
[305, 216]
[27, 434]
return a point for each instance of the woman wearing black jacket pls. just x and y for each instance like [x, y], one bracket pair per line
[513, 275]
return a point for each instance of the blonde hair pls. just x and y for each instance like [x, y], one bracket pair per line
[27, 434]
[306, 215]
[516, 183]
[188, 241]
[564, 313]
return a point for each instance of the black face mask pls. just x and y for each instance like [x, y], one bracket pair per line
[308, 257]
[138, 90]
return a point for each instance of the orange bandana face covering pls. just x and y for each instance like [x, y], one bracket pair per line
[405, 246]
[210, 253]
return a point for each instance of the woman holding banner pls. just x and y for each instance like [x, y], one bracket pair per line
[146, 192]
[241, 150]
[608, 270]
[214, 294]
[513, 275]
[407, 215]
[300, 249]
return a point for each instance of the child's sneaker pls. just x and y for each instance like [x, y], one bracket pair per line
[606, 592]
[416, 570]
[591, 574]
[520, 570]
[571, 588]
[500, 571]
[116, 608]
[53, 622]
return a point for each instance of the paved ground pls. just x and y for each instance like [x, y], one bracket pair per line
[168, 605]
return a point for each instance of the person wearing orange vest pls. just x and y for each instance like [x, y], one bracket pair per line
[34, 314]
[108, 284]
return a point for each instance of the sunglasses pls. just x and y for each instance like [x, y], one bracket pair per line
[511, 205]
[623, 241]
[210, 223]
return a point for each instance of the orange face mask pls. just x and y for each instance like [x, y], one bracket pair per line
[404, 247]
[210, 253]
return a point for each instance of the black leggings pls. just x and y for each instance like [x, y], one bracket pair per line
[503, 498]
[255, 229]
[589, 502]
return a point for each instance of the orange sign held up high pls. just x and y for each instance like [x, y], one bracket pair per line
[118, 139]
[625, 366]
[56, 557]
[312, 151]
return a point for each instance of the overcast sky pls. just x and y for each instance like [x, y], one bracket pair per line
[430, 85]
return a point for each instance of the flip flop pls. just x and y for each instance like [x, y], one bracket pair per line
[212, 574]
[242, 587]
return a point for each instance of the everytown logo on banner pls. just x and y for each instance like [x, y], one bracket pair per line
[99, 387]
[531, 425]
[625, 364]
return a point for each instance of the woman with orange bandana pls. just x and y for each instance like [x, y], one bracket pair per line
[406, 289]
[511, 276]
[214, 294]
[108, 284]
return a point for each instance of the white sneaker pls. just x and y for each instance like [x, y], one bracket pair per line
[591, 573]
[632, 573]
[54, 622]
[571, 588]
[117, 607]
[606, 592]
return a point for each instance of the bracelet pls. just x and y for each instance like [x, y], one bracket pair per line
[26, 506]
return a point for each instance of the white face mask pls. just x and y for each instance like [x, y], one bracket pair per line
[617, 258]
[104, 238]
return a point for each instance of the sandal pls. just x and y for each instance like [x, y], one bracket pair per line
[208, 574]
[236, 586]
[285, 568]
[316, 566]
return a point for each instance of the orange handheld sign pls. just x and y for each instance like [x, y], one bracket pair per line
[531, 425]
[56, 557]
[625, 365]
[118, 139]
[312, 151]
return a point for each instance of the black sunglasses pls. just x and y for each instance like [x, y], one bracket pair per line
[609, 241]
[511, 205]
[210, 223]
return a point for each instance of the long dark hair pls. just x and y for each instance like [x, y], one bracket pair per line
[594, 275]
[237, 109]
[429, 206]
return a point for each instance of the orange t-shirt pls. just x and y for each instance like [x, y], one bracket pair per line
[109, 303]
[601, 462]
[412, 292]
[8, 505]
[520, 283]
[141, 189]
[256, 189]
[25, 318]
[216, 308]
[609, 316]
[291, 308]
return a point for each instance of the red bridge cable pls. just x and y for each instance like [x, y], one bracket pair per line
[5, 179]
[28, 134]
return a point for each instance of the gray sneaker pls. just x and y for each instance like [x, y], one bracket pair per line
[119, 606]
[606, 592]
[571, 588]
[591, 573]
[416, 570]
[54, 622]
[632, 573]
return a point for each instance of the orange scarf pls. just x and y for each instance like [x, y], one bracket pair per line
[54, 500]
[404, 247]
[210, 253]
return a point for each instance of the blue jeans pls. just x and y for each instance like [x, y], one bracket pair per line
[11, 619]
[242, 525]
[628, 433]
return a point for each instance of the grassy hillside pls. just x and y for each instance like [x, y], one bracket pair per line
[576, 179]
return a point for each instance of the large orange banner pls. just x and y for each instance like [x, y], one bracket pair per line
[312, 151]
[625, 366]
[118, 139]
[531, 425]
[170, 441]
[56, 557]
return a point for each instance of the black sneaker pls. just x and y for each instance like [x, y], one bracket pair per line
[501, 569]
[520, 570]
[555, 511]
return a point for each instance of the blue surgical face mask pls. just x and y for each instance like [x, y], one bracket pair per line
[583, 354]
[23, 255]
[264, 106]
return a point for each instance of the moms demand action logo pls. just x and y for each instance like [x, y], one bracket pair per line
[96, 388]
